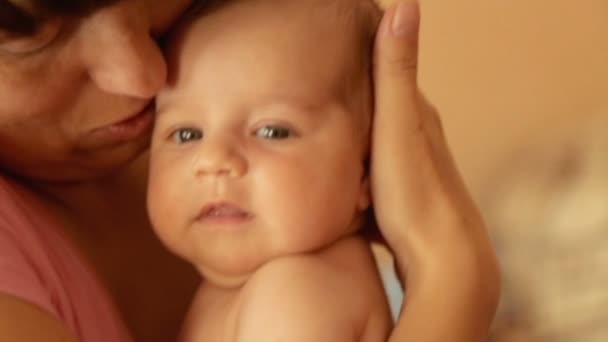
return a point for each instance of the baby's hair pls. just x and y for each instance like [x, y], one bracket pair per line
[362, 17]
[364, 14]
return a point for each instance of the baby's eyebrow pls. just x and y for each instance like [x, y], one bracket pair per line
[297, 103]
[165, 114]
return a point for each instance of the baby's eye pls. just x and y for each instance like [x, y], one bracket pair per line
[273, 132]
[184, 135]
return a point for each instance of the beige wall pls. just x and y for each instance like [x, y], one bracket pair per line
[504, 71]
[522, 86]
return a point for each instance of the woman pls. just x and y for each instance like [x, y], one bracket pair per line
[78, 260]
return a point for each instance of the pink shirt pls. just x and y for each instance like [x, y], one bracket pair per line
[39, 266]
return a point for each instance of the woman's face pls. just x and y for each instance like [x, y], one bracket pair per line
[75, 95]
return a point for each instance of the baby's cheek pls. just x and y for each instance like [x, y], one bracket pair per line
[156, 207]
[163, 189]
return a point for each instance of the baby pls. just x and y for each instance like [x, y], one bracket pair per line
[258, 173]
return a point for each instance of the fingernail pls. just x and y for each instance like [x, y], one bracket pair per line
[406, 19]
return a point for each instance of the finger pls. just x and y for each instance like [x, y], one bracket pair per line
[385, 4]
[396, 70]
[408, 147]
[396, 53]
[397, 97]
[400, 107]
[398, 124]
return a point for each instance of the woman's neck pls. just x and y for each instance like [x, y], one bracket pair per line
[107, 222]
[99, 210]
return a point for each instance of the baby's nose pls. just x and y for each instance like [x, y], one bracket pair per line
[221, 159]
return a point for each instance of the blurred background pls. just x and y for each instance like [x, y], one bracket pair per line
[522, 86]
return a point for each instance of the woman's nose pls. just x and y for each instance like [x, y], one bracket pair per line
[220, 159]
[120, 54]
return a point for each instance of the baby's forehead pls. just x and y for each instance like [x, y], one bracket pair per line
[315, 26]
[286, 39]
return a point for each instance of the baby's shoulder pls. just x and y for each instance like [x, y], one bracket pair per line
[323, 296]
[341, 270]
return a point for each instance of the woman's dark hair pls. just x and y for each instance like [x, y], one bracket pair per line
[21, 21]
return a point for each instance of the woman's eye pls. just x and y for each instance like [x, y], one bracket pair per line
[184, 135]
[273, 132]
[21, 45]
[25, 44]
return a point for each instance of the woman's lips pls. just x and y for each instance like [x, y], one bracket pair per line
[137, 126]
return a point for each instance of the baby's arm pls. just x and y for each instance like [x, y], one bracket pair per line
[303, 298]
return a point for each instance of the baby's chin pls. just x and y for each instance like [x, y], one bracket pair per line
[223, 279]
[233, 270]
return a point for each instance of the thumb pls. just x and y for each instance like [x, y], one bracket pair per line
[400, 150]
[396, 53]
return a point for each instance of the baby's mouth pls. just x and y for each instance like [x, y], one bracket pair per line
[223, 210]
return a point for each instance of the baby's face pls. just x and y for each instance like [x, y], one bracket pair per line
[258, 149]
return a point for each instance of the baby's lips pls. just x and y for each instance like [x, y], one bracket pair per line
[223, 209]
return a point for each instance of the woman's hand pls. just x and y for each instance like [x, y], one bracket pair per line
[422, 207]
